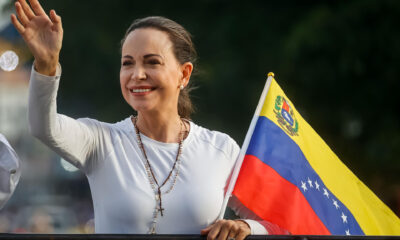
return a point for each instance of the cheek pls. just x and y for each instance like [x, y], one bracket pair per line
[123, 79]
[171, 78]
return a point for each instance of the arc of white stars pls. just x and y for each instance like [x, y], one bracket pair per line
[344, 218]
[335, 204]
[348, 232]
[316, 185]
[326, 193]
[310, 183]
[303, 186]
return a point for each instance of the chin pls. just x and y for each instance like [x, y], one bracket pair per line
[141, 107]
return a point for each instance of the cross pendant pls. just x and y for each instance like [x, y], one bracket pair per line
[161, 209]
[158, 197]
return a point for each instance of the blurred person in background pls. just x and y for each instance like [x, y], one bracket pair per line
[10, 170]
[41, 222]
[157, 172]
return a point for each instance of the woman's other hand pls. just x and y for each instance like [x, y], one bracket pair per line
[227, 230]
[42, 33]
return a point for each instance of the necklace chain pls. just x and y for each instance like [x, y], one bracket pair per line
[153, 180]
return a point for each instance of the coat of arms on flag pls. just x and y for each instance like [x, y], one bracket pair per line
[285, 116]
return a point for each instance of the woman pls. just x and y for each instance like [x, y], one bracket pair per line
[156, 172]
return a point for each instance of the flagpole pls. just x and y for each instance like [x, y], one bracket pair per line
[246, 142]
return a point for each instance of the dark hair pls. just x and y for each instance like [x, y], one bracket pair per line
[183, 49]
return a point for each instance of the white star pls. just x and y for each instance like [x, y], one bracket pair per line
[335, 204]
[344, 217]
[316, 185]
[303, 186]
[310, 182]
[326, 193]
[348, 232]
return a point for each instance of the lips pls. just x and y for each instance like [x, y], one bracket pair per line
[141, 90]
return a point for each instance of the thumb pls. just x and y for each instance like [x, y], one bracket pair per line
[206, 230]
[56, 19]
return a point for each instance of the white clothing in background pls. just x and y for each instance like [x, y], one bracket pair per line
[10, 170]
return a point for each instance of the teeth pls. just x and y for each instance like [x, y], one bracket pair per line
[140, 90]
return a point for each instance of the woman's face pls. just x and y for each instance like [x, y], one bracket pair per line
[150, 74]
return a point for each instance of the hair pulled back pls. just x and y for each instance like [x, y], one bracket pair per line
[183, 49]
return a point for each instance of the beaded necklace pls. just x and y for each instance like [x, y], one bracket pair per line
[152, 179]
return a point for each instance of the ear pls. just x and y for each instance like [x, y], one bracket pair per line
[186, 70]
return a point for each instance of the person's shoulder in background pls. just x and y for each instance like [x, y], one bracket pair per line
[10, 170]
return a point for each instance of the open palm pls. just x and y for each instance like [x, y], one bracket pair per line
[42, 33]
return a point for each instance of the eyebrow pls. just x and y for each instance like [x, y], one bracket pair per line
[152, 55]
[145, 56]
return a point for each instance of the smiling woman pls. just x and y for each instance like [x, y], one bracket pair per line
[157, 172]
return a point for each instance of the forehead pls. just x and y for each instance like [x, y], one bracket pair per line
[146, 41]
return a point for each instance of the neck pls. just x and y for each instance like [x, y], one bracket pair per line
[160, 126]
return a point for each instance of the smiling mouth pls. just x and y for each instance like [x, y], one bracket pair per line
[141, 90]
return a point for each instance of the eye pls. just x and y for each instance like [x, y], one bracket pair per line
[153, 62]
[126, 63]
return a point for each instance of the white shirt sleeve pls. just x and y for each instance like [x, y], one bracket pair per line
[10, 170]
[77, 141]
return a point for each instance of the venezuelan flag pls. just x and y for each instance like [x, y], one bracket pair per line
[289, 176]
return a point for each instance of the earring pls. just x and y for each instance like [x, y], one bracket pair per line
[182, 87]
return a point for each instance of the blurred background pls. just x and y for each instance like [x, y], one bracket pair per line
[338, 61]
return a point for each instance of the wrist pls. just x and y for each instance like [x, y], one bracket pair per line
[46, 68]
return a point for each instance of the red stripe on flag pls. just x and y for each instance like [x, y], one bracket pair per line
[262, 190]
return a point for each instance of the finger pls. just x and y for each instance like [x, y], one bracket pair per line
[243, 229]
[206, 230]
[21, 14]
[242, 235]
[20, 28]
[225, 230]
[233, 232]
[37, 8]
[56, 19]
[231, 236]
[214, 232]
[28, 11]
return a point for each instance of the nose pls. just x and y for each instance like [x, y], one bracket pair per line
[138, 73]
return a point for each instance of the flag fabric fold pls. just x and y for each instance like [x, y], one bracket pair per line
[289, 176]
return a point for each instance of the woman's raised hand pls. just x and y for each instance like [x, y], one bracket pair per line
[42, 34]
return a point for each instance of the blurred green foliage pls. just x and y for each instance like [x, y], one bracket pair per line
[338, 61]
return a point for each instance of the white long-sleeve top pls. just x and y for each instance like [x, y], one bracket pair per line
[10, 170]
[109, 155]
